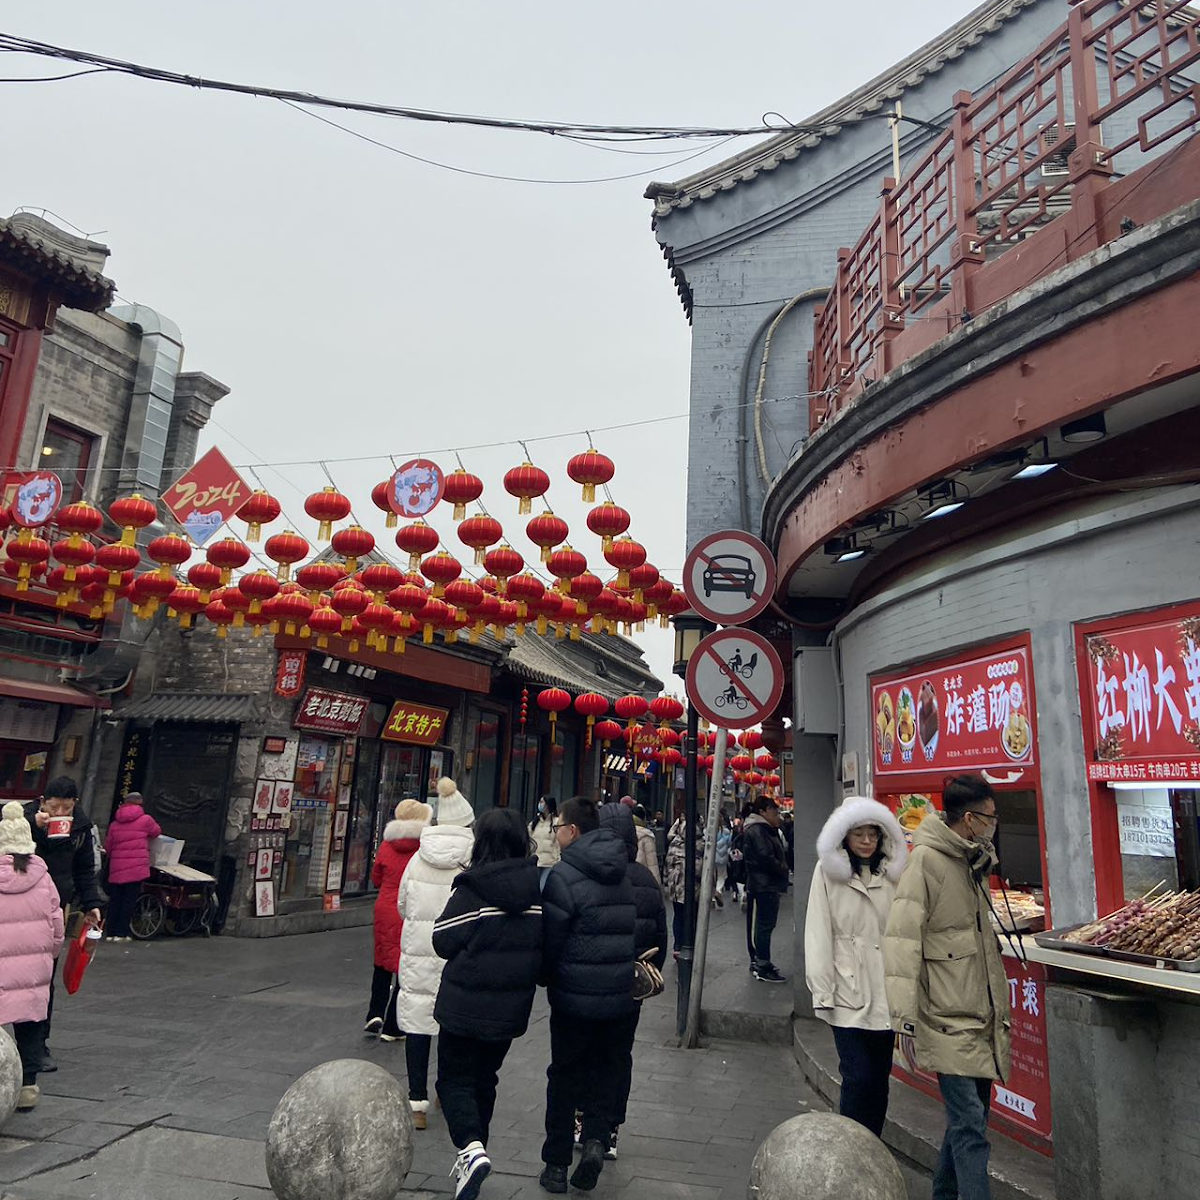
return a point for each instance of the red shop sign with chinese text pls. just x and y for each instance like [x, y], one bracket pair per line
[976, 714]
[330, 712]
[1143, 709]
[206, 495]
[417, 724]
[289, 676]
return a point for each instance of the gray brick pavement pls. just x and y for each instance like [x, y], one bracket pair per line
[174, 1054]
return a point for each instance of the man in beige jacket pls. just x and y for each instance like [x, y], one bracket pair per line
[945, 982]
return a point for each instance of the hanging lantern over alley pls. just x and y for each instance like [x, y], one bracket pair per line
[170, 550]
[185, 603]
[149, 589]
[668, 736]
[503, 563]
[462, 488]
[261, 508]
[376, 618]
[524, 590]
[553, 701]
[285, 549]
[671, 606]
[416, 540]
[79, 520]
[741, 763]
[591, 705]
[591, 469]
[482, 613]
[380, 578]
[608, 521]
[607, 731]
[73, 556]
[32, 553]
[624, 555]
[629, 708]
[750, 739]
[440, 569]
[436, 614]
[464, 594]
[564, 565]
[236, 601]
[765, 762]
[230, 555]
[257, 586]
[317, 576]
[352, 543]
[547, 531]
[669, 758]
[666, 709]
[379, 497]
[606, 606]
[640, 578]
[326, 506]
[526, 482]
[222, 617]
[772, 780]
[131, 513]
[585, 589]
[324, 621]
[203, 575]
[348, 601]
[116, 558]
[479, 533]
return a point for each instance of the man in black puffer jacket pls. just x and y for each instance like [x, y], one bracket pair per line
[589, 919]
[766, 880]
[650, 933]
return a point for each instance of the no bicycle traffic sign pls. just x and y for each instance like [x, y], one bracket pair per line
[729, 577]
[735, 678]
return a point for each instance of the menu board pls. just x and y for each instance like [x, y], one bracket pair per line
[27, 720]
[971, 714]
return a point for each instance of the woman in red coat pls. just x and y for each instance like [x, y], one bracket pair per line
[401, 838]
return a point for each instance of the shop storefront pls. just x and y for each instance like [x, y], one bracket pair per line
[27, 732]
[976, 712]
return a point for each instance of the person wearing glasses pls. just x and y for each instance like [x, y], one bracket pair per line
[946, 984]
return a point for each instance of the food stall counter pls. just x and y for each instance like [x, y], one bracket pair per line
[1097, 967]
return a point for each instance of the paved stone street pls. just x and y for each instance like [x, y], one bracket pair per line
[174, 1054]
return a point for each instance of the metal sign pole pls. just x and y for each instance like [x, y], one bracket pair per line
[691, 1037]
[684, 966]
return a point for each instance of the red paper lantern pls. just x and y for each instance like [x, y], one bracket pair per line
[185, 602]
[641, 578]
[417, 540]
[547, 531]
[131, 513]
[79, 520]
[525, 590]
[669, 758]
[149, 589]
[324, 621]
[257, 586]
[482, 613]
[462, 488]
[754, 778]
[464, 594]
[479, 533]
[348, 601]
[441, 569]
[607, 731]
[379, 497]
[117, 558]
[772, 780]
[31, 554]
[326, 506]
[751, 739]
[285, 549]
[376, 618]
[668, 736]
[436, 614]
[741, 762]
[624, 555]
[170, 550]
[219, 615]
[204, 575]
[315, 577]
[237, 602]
[672, 606]
[766, 762]
[608, 521]
[292, 609]
[503, 563]
[585, 588]
[73, 556]
[526, 482]
[261, 508]
[381, 578]
[591, 705]
[553, 701]
[229, 555]
[629, 708]
[353, 543]
[591, 468]
[564, 565]
[666, 709]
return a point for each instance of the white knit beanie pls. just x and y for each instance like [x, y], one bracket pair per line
[15, 834]
[453, 808]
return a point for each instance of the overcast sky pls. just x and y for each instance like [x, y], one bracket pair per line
[358, 302]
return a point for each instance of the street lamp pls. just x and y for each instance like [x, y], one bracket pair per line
[690, 630]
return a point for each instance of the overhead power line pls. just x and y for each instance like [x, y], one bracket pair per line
[574, 129]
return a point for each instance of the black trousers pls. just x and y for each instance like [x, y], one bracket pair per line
[865, 1060]
[416, 1058]
[762, 912]
[468, 1071]
[28, 1036]
[384, 994]
[622, 1067]
[121, 899]
[585, 1075]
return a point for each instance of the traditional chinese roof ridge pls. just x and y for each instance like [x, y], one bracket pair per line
[78, 286]
[849, 110]
[223, 708]
[565, 664]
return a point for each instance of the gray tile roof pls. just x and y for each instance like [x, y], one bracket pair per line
[78, 286]
[224, 708]
[589, 665]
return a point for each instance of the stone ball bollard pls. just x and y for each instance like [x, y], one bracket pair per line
[821, 1156]
[343, 1131]
[10, 1076]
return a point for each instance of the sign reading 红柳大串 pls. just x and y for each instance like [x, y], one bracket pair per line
[330, 712]
[976, 714]
[418, 724]
[1142, 707]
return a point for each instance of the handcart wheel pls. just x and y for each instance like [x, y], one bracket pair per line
[182, 920]
[149, 917]
[208, 914]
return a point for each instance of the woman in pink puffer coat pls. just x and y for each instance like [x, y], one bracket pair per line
[128, 849]
[31, 934]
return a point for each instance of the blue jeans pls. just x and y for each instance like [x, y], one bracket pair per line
[962, 1169]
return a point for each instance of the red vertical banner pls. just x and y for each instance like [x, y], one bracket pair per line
[1024, 1097]
[289, 675]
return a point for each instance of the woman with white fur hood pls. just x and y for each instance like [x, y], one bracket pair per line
[444, 851]
[861, 852]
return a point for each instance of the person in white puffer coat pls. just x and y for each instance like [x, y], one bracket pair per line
[861, 852]
[445, 850]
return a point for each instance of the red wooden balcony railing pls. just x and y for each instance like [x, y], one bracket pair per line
[1106, 93]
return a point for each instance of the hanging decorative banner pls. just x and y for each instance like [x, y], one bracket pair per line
[416, 488]
[206, 495]
[36, 496]
[289, 676]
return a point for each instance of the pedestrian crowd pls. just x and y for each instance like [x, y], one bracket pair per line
[901, 944]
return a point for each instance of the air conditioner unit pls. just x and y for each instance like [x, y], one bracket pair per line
[1061, 139]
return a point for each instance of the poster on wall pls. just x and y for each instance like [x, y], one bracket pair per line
[1145, 830]
[264, 898]
[1142, 706]
[972, 714]
[281, 798]
[418, 724]
[264, 790]
[264, 864]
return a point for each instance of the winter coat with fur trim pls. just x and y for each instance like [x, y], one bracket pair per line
[847, 917]
[31, 935]
[400, 842]
[444, 851]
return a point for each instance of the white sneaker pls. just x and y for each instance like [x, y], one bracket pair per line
[471, 1168]
[610, 1155]
[28, 1098]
